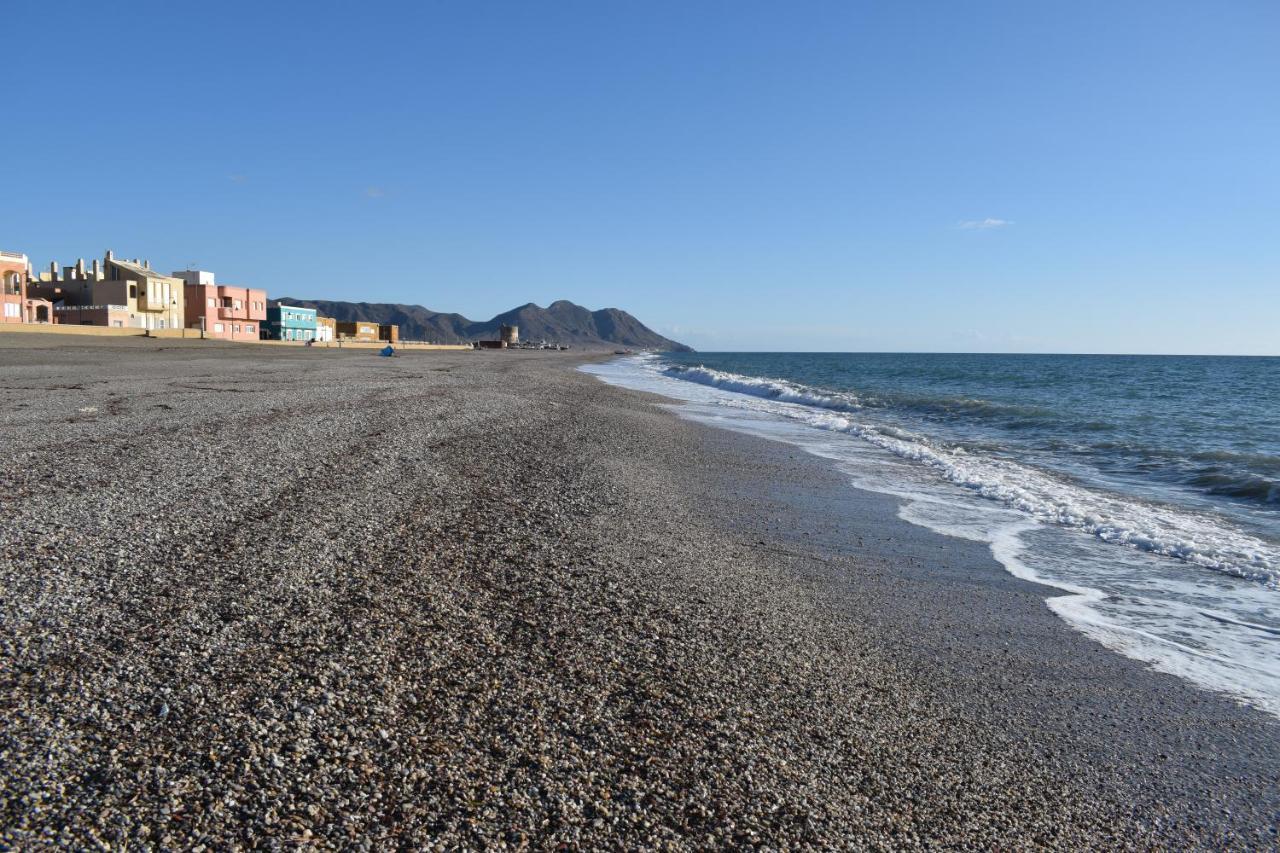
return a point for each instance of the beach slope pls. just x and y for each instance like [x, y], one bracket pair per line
[257, 596]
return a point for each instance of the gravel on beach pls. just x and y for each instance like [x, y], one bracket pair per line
[261, 597]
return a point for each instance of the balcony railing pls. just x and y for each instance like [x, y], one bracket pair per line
[241, 314]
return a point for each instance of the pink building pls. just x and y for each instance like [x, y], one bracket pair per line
[223, 310]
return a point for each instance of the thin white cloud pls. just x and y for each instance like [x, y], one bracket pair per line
[983, 224]
[374, 192]
[676, 330]
[238, 179]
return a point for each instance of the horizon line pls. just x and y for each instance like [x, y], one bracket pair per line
[967, 352]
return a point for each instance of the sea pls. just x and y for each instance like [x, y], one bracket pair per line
[1145, 490]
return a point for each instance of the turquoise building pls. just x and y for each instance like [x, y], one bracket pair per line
[289, 323]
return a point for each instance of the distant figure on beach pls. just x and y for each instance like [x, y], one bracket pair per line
[387, 351]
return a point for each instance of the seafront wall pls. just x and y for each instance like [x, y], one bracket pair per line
[58, 329]
[194, 334]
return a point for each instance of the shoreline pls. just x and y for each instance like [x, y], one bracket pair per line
[1137, 581]
[484, 601]
[948, 611]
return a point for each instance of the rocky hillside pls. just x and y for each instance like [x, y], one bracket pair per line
[561, 322]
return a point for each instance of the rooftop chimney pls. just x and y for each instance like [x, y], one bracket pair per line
[146, 265]
[111, 256]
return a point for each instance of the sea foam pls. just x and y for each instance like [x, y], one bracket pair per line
[772, 389]
[1178, 533]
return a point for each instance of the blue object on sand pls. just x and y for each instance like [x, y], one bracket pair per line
[387, 351]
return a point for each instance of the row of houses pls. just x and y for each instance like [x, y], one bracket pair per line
[123, 293]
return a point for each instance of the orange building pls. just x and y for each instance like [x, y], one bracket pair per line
[13, 286]
[357, 331]
[17, 305]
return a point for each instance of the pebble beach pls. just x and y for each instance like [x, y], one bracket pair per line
[261, 597]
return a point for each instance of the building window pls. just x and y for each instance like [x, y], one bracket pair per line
[133, 291]
[211, 305]
[238, 303]
[217, 327]
[11, 309]
[249, 329]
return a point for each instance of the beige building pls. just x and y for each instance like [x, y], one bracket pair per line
[116, 293]
[326, 329]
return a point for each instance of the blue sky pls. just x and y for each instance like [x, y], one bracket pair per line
[1070, 177]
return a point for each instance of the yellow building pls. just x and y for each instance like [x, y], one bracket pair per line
[156, 299]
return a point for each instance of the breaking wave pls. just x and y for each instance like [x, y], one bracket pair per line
[770, 389]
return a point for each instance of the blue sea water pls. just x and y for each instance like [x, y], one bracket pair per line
[1145, 488]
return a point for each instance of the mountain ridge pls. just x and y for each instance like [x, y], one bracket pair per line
[561, 322]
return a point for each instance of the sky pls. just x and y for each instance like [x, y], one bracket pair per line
[839, 176]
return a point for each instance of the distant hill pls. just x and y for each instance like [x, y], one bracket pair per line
[560, 322]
